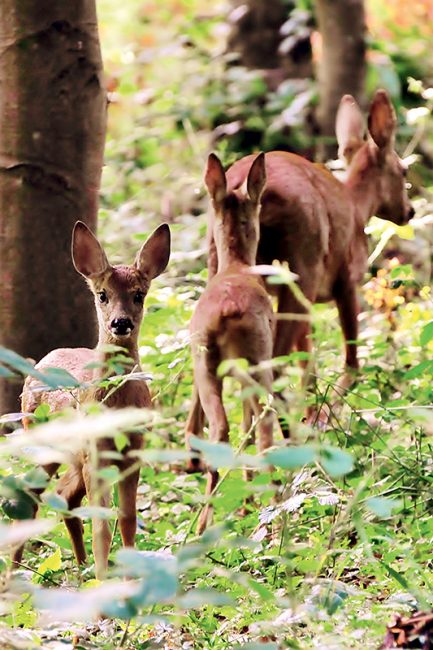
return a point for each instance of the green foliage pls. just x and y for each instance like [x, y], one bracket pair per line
[333, 533]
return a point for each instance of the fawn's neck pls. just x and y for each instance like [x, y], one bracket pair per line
[232, 257]
[131, 347]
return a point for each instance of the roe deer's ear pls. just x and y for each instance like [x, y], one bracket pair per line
[382, 121]
[349, 128]
[215, 179]
[153, 256]
[88, 255]
[256, 179]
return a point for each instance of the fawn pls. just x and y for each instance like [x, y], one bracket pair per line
[234, 317]
[119, 293]
[316, 222]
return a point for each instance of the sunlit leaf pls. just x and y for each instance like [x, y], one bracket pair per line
[51, 563]
[426, 334]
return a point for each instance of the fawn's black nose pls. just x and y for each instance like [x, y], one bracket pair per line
[121, 326]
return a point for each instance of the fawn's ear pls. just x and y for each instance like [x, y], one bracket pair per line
[88, 255]
[215, 179]
[153, 256]
[382, 121]
[256, 179]
[349, 128]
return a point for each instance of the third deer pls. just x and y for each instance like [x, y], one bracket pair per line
[316, 223]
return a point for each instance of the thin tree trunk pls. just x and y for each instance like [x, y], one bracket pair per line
[52, 131]
[342, 66]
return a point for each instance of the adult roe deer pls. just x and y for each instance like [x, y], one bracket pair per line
[119, 293]
[233, 317]
[316, 222]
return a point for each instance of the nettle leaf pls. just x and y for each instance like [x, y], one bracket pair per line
[216, 454]
[292, 457]
[382, 506]
[336, 461]
[426, 334]
[51, 563]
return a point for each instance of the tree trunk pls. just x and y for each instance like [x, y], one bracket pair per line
[257, 37]
[52, 131]
[342, 66]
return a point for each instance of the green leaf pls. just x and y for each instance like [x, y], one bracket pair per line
[20, 506]
[292, 457]
[51, 563]
[92, 512]
[261, 590]
[426, 334]
[59, 378]
[36, 478]
[216, 454]
[382, 506]
[200, 597]
[158, 573]
[55, 501]
[336, 461]
[397, 576]
[419, 370]
[42, 412]
[121, 441]
[231, 366]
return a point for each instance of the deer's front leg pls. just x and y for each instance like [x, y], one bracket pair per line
[128, 507]
[99, 495]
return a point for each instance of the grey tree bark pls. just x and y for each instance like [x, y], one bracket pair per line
[52, 132]
[342, 67]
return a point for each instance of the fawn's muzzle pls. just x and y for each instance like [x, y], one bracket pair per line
[121, 326]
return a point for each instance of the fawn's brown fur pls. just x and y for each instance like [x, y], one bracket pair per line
[316, 222]
[119, 293]
[233, 318]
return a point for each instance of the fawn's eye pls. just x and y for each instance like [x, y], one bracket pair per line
[138, 297]
[102, 296]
